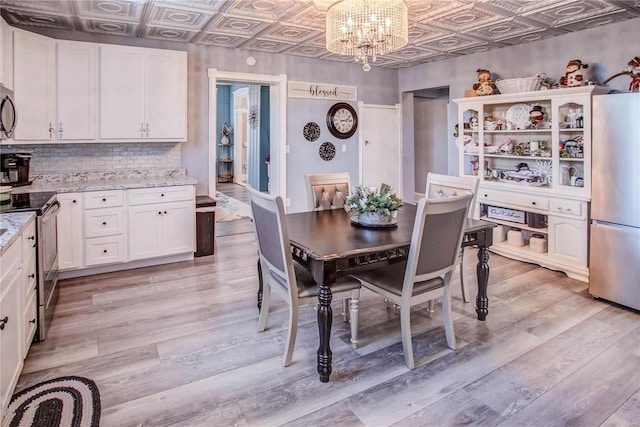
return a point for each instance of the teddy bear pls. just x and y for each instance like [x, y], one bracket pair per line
[574, 76]
[485, 85]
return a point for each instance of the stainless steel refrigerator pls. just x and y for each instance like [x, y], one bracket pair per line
[614, 253]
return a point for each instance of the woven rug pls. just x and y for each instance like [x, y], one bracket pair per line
[60, 402]
[228, 208]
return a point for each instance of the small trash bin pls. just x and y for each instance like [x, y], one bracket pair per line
[205, 225]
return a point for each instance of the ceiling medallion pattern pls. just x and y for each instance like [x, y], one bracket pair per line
[438, 29]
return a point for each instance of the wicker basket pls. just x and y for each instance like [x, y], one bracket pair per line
[522, 84]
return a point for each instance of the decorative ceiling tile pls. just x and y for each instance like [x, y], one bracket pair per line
[166, 33]
[507, 28]
[264, 45]
[265, 9]
[38, 19]
[288, 33]
[306, 50]
[117, 10]
[438, 29]
[182, 17]
[240, 26]
[220, 40]
[127, 29]
[572, 11]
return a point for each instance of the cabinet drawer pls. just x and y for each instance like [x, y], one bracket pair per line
[29, 240]
[29, 277]
[144, 196]
[103, 222]
[104, 250]
[568, 207]
[103, 199]
[524, 200]
[10, 262]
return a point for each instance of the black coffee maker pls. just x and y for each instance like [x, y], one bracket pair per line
[15, 169]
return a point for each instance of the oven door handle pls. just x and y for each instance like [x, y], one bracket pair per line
[51, 211]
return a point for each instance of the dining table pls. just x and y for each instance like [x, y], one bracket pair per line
[329, 245]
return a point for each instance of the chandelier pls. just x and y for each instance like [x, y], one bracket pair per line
[367, 28]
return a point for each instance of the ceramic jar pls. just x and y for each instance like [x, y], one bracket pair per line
[538, 243]
[515, 237]
[499, 234]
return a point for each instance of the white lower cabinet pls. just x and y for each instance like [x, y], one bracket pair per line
[558, 226]
[104, 230]
[17, 303]
[161, 221]
[70, 245]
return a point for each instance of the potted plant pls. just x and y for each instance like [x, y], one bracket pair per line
[373, 206]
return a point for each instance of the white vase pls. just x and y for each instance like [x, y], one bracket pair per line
[224, 140]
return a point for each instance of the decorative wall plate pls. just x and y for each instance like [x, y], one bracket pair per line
[311, 131]
[518, 114]
[327, 151]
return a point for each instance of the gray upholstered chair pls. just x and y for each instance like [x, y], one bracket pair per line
[327, 190]
[439, 186]
[426, 273]
[279, 272]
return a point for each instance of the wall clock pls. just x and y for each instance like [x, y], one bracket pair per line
[342, 120]
[327, 151]
[311, 131]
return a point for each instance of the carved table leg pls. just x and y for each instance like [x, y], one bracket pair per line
[482, 271]
[259, 285]
[325, 316]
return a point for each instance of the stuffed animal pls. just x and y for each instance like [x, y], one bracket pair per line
[536, 115]
[573, 76]
[485, 85]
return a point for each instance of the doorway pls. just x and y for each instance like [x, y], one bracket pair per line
[276, 136]
[240, 112]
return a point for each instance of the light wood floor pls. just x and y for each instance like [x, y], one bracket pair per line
[177, 345]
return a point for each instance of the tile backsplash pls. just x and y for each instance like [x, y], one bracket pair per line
[73, 158]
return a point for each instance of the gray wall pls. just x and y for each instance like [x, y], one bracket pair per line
[430, 139]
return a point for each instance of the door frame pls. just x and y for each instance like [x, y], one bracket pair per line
[278, 125]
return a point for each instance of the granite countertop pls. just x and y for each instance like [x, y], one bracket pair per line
[14, 223]
[97, 181]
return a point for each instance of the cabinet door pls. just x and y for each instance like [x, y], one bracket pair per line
[145, 231]
[76, 91]
[34, 86]
[121, 93]
[165, 95]
[10, 337]
[69, 231]
[568, 240]
[178, 227]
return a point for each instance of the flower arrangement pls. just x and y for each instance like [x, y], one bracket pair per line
[633, 70]
[372, 200]
[226, 129]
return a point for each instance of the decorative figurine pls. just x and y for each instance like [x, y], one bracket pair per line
[536, 115]
[485, 85]
[573, 76]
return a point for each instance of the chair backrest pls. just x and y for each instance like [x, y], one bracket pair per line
[436, 239]
[272, 235]
[327, 190]
[439, 186]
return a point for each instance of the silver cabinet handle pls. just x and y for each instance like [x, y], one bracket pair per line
[147, 130]
[50, 131]
[141, 130]
[60, 130]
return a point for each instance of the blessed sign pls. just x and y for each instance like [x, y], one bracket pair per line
[322, 91]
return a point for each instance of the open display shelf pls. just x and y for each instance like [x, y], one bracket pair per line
[534, 163]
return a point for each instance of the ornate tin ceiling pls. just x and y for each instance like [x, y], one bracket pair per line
[438, 29]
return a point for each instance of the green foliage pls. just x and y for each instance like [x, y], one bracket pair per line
[371, 199]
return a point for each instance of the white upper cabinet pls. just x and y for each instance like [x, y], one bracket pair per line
[76, 100]
[143, 94]
[6, 55]
[34, 86]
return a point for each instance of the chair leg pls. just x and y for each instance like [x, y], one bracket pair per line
[431, 308]
[345, 310]
[405, 330]
[446, 318]
[264, 307]
[463, 285]
[354, 308]
[291, 336]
